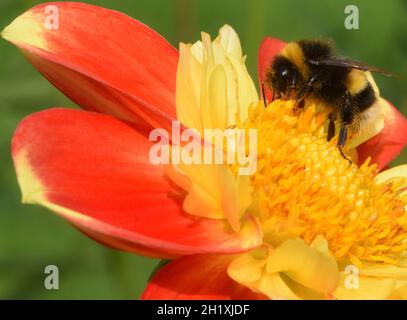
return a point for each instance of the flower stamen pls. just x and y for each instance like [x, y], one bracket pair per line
[304, 188]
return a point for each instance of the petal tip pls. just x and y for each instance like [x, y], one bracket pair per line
[30, 186]
[25, 29]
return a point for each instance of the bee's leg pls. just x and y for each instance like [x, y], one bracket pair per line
[306, 89]
[331, 126]
[298, 106]
[346, 119]
[288, 95]
[263, 92]
[293, 86]
[343, 134]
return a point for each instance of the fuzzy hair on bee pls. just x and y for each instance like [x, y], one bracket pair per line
[310, 69]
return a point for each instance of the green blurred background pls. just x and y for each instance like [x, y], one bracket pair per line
[31, 237]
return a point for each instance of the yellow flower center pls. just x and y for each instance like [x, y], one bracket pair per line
[304, 188]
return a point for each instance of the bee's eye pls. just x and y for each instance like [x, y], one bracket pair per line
[284, 73]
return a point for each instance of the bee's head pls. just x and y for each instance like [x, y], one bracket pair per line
[283, 76]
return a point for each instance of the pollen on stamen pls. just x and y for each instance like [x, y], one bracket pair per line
[303, 187]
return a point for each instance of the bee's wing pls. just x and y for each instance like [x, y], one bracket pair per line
[349, 63]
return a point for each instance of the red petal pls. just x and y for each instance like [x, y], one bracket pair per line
[269, 48]
[102, 59]
[386, 145]
[95, 171]
[199, 277]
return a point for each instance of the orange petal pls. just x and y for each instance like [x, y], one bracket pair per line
[94, 171]
[102, 59]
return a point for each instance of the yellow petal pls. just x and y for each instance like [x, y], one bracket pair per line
[371, 125]
[368, 289]
[273, 286]
[230, 42]
[204, 198]
[235, 197]
[201, 203]
[197, 51]
[308, 266]
[216, 193]
[400, 291]
[248, 270]
[302, 292]
[391, 174]
[247, 93]
[188, 99]
[213, 85]
[384, 271]
[218, 105]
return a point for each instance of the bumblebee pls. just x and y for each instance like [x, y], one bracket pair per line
[309, 69]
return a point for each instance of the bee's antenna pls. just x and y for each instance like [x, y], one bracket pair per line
[264, 95]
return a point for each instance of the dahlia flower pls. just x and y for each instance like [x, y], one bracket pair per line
[290, 230]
